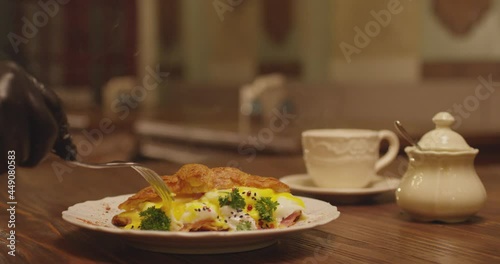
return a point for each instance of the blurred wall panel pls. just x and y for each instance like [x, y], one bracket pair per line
[7, 13]
[479, 42]
[76, 50]
[170, 20]
[13, 46]
[461, 41]
[376, 40]
[278, 38]
[220, 40]
[148, 43]
[313, 21]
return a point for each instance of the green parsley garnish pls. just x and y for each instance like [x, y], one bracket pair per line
[266, 207]
[233, 199]
[244, 225]
[154, 219]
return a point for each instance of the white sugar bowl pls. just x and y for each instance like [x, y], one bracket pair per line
[441, 183]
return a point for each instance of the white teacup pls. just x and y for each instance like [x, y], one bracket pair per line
[346, 158]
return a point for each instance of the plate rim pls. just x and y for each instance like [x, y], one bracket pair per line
[288, 179]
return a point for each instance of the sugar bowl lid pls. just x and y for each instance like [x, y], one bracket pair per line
[443, 138]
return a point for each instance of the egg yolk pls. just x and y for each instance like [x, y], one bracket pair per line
[185, 211]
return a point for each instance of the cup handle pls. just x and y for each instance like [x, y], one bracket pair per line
[391, 153]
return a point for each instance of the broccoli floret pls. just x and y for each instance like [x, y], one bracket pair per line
[266, 207]
[244, 225]
[154, 219]
[233, 199]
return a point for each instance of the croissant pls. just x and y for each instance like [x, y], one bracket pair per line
[217, 199]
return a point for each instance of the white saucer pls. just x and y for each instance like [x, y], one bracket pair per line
[304, 185]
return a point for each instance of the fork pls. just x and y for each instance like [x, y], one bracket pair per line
[149, 175]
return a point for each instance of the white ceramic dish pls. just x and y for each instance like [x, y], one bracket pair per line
[303, 184]
[96, 215]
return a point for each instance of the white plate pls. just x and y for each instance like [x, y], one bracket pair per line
[96, 215]
[303, 184]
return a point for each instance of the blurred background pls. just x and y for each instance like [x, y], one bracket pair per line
[175, 79]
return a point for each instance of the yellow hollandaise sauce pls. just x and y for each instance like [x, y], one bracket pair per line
[242, 208]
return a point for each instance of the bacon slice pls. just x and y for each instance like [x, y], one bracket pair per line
[291, 219]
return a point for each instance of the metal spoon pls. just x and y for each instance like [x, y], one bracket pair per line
[402, 131]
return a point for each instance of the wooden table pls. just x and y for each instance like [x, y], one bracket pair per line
[372, 232]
